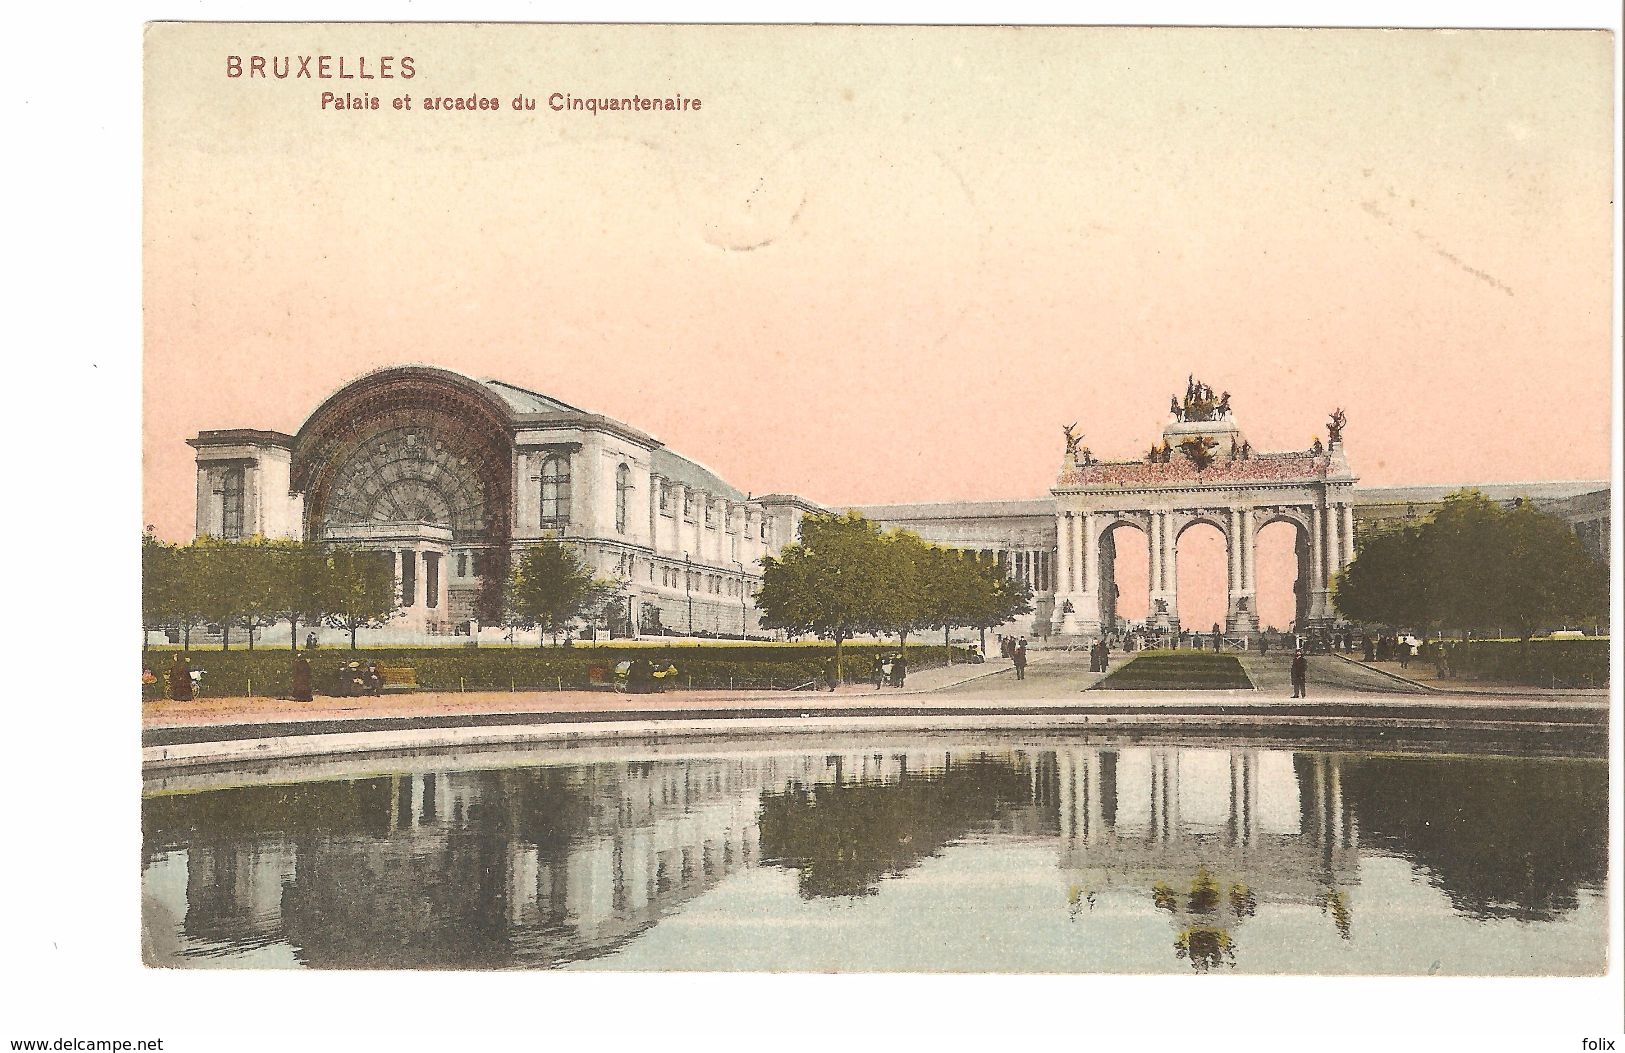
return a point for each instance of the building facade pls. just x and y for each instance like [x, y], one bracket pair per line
[1203, 470]
[455, 477]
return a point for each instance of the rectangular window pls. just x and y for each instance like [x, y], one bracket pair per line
[462, 564]
[708, 512]
[231, 503]
[688, 505]
[665, 499]
[431, 578]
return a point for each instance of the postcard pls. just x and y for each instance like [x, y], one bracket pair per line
[877, 499]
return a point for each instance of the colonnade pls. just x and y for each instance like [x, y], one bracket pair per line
[1034, 566]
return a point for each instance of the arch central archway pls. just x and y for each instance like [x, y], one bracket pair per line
[1203, 588]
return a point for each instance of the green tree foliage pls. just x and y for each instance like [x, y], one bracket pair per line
[550, 587]
[218, 581]
[830, 582]
[357, 590]
[905, 602]
[160, 585]
[1475, 566]
[295, 574]
[845, 576]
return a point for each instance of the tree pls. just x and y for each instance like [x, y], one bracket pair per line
[995, 597]
[183, 596]
[950, 595]
[551, 586]
[1546, 575]
[296, 573]
[904, 602]
[1392, 581]
[830, 582]
[217, 578]
[1474, 565]
[160, 568]
[262, 586]
[358, 590]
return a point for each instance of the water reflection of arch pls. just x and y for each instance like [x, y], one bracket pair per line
[1129, 816]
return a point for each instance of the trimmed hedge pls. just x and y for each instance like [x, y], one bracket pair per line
[737, 665]
[1546, 663]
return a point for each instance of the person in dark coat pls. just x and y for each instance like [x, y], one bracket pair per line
[1300, 675]
[180, 679]
[301, 679]
[1021, 663]
[899, 670]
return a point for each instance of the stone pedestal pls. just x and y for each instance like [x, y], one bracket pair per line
[1241, 615]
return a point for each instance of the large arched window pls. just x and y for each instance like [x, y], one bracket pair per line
[623, 491]
[556, 492]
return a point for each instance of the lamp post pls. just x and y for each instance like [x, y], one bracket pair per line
[688, 588]
[741, 567]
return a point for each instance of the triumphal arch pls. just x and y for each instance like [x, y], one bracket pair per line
[1202, 471]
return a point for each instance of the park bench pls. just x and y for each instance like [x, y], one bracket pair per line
[398, 677]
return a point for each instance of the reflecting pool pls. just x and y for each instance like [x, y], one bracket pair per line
[890, 855]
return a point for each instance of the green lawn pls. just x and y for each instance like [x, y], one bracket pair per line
[1178, 671]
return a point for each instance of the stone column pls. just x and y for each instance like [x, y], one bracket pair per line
[1249, 551]
[1088, 602]
[1241, 611]
[1155, 552]
[1317, 563]
[1347, 534]
[1063, 546]
[1170, 569]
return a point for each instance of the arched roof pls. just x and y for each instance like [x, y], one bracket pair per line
[494, 404]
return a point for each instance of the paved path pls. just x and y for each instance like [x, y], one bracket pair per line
[1345, 698]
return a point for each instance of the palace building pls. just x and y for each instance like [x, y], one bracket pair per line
[454, 477]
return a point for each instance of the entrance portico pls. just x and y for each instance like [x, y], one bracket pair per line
[419, 553]
[1202, 472]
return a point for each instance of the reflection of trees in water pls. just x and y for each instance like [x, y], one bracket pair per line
[426, 902]
[1503, 838]
[844, 837]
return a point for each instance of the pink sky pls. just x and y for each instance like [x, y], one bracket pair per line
[887, 265]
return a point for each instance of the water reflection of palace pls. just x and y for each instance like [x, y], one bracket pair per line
[543, 866]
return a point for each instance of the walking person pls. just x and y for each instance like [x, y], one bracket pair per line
[1300, 675]
[1021, 663]
[878, 673]
[899, 671]
[180, 679]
